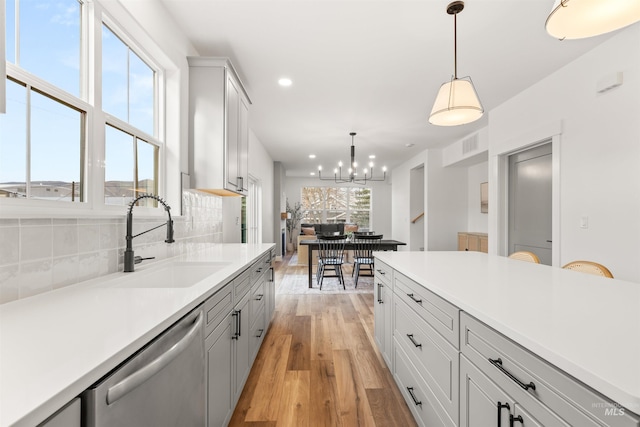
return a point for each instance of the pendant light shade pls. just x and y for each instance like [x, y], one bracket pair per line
[457, 102]
[577, 19]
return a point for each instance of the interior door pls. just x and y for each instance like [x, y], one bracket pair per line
[530, 215]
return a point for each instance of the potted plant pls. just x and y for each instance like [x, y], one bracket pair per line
[294, 216]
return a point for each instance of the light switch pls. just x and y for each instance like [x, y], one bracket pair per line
[584, 222]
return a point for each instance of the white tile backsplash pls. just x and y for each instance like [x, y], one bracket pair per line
[42, 254]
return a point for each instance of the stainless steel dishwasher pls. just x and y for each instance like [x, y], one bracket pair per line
[162, 385]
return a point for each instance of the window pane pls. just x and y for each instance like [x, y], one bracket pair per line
[312, 217]
[336, 198]
[312, 198]
[119, 168]
[50, 41]
[147, 167]
[336, 216]
[13, 143]
[361, 218]
[56, 147]
[10, 31]
[360, 198]
[141, 90]
[114, 75]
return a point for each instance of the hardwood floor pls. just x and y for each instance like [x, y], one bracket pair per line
[319, 366]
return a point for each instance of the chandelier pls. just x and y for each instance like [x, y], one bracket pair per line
[353, 176]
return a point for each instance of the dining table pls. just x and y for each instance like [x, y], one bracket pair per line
[314, 245]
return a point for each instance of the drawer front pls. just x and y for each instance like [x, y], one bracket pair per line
[438, 313]
[257, 333]
[416, 394]
[217, 307]
[574, 402]
[434, 357]
[257, 299]
[242, 284]
[383, 273]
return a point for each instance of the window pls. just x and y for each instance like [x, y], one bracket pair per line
[44, 38]
[336, 204]
[44, 136]
[128, 95]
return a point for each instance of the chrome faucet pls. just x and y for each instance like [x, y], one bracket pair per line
[129, 258]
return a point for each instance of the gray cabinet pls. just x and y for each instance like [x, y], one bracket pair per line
[68, 416]
[383, 304]
[236, 322]
[537, 392]
[218, 126]
[425, 340]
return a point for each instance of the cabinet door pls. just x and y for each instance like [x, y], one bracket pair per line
[243, 145]
[379, 305]
[231, 145]
[480, 399]
[473, 242]
[462, 241]
[219, 348]
[241, 355]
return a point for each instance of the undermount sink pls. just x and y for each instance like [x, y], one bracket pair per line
[177, 274]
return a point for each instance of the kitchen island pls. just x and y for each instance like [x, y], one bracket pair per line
[55, 345]
[582, 329]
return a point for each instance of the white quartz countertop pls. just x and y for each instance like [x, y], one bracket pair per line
[586, 325]
[55, 345]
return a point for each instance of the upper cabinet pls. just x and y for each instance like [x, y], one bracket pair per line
[218, 127]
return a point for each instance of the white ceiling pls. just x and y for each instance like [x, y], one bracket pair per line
[372, 67]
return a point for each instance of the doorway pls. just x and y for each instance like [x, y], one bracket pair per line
[530, 202]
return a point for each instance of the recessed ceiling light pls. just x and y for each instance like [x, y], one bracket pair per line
[312, 156]
[373, 156]
[285, 82]
[312, 173]
[409, 145]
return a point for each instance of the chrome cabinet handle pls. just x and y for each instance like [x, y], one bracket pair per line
[498, 364]
[156, 365]
[419, 301]
[381, 272]
[413, 341]
[380, 286]
[413, 396]
[261, 331]
[500, 406]
[259, 297]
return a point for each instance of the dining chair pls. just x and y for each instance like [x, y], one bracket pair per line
[589, 267]
[363, 247]
[525, 256]
[330, 256]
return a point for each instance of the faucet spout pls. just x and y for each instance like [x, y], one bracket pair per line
[129, 257]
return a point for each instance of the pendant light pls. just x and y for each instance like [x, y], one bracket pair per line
[577, 19]
[457, 102]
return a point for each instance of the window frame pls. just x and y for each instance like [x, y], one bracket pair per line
[93, 15]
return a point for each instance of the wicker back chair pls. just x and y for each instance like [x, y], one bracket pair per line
[525, 256]
[589, 267]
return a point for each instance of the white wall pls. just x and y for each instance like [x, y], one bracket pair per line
[476, 221]
[446, 203]
[380, 196]
[599, 152]
[261, 168]
[445, 200]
